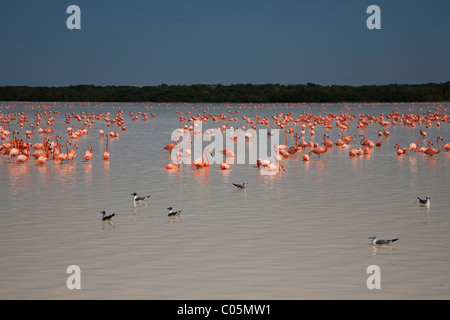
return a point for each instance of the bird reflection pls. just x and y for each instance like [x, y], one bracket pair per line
[87, 167]
[224, 172]
[173, 219]
[107, 219]
[200, 172]
[44, 172]
[425, 208]
[108, 223]
[19, 174]
[139, 205]
[382, 250]
[106, 168]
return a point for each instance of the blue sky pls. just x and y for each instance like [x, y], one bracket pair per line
[149, 42]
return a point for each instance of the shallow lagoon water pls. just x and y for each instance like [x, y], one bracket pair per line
[301, 234]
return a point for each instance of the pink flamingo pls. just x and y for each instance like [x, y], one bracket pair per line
[284, 146]
[63, 156]
[179, 155]
[348, 139]
[44, 158]
[319, 150]
[340, 142]
[72, 153]
[423, 133]
[28, 132]
[225, 166]
[446, 147]
[14, 152]
[423, 149]
[364, 141]
[88, 154]
[170, 146]
[399, 150]
[55, 147]
[228, 153]
[432, 151]
[106, 153]
[22, 158]
[205, 165]
[413, 146]
[200, 162]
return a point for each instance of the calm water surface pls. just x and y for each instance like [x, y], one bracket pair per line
[301, 234]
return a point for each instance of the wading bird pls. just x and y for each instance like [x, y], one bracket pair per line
[137, 199]
[88, 154]
[432, 151]
[106, 153]
[240, 186]
[425, 201]
[173, 213]
[107, 218]
[319, 150]
[380, 242]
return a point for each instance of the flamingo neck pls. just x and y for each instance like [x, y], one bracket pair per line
[178, 160]
[439, 146]
[207, 159]
[57, 143]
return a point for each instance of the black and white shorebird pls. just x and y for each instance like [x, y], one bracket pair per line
[240, 186]
[137, 199]
[107, 218]
[425, 201]
[380, 242]
[173, 213]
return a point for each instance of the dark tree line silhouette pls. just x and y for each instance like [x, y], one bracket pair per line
[265, 93]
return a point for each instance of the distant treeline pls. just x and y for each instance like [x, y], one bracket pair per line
[266, 93]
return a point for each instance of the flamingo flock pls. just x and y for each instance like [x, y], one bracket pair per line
[20, 150]
[303, 149]
[43, 143]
